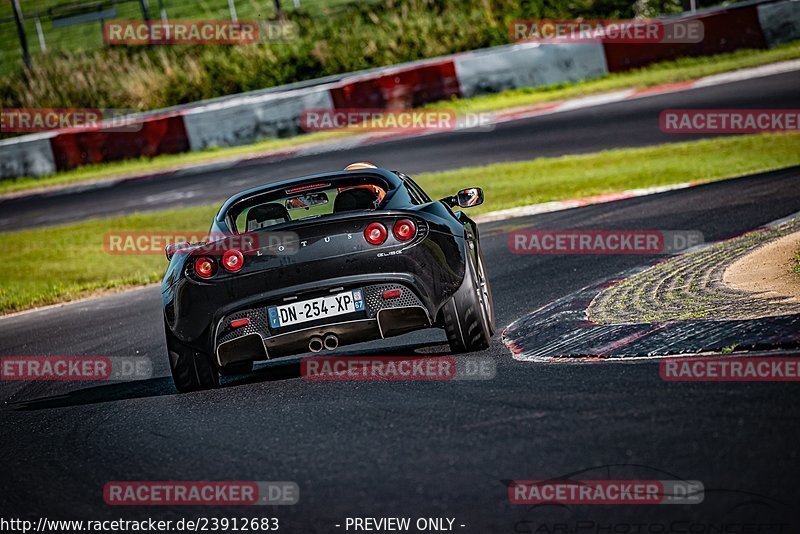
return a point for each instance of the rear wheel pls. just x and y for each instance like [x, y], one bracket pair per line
[485, 294]
[469, 314]
[192, 370]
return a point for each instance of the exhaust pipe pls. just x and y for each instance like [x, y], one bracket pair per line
[315, 344]
[331, 342]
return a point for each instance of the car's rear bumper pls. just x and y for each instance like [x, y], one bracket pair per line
[429, 271]
[380, 318]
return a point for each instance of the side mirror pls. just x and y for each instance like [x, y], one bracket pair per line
[466, 198]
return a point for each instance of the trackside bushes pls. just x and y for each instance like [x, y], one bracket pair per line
[356, 36]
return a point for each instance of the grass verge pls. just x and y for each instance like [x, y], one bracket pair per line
[69, 261]
[661, 73]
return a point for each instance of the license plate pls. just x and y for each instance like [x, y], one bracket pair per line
[313, 309]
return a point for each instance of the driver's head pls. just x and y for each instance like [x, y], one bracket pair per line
[360, 165]
[379, 192]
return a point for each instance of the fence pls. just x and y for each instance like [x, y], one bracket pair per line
[73, 26]
[49, 26]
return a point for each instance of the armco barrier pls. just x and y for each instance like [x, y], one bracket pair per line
[398, 87]
[724, 31]
[30, 155]
[157, 135]
[528, 65]
[780, 22]
[247, 119]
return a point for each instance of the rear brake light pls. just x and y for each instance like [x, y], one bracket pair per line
[306, 188]
[238, 323]
[232, 260]
[404, 229]
[392, 294]
[375, 233]
[204, 267]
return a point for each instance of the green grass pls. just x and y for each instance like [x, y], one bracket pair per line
[509, 185]
[666, 72]
[69, 261]
[796, 268]
[679, 70]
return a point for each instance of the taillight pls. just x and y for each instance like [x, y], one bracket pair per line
[232, 260]
[238, 323]
[404, 229]
[375, 233]
[204, 267]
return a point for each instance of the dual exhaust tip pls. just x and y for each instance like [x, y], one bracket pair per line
[317, 343]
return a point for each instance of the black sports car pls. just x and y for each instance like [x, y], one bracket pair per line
[316, 262]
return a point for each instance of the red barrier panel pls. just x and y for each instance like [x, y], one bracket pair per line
[724, 31]
[157, 135]
[399, 89]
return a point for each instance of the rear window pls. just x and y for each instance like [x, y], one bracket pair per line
[306, 201]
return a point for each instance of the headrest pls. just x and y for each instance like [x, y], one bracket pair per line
[266, 215]
[355, 199]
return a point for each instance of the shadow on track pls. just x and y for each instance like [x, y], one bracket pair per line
[162, 386]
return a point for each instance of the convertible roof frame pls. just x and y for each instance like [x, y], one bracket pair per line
[390, 177]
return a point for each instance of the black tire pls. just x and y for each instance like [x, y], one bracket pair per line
[488, 299]
[238, 368]
[192, 370]
[469, 314]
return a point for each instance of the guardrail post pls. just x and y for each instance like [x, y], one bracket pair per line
[40, 34]
[23, 40]
[232, 8]
[163, 10]
[145, 10]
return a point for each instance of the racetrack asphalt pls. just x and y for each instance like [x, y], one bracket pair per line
[631, 123]
[419, 449]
